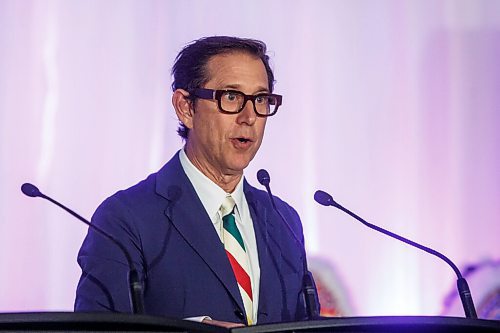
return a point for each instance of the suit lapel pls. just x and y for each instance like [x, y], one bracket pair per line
[186, 212]
[264, 231]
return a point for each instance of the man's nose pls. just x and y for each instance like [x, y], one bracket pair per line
[247, 115]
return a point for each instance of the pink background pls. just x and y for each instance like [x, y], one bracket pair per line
[391, 106]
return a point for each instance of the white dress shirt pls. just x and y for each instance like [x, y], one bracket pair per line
[212, 196]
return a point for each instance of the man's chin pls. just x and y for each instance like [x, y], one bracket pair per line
[241, 160]
[237, 166]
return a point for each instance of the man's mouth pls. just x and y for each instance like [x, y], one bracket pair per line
[241, 142]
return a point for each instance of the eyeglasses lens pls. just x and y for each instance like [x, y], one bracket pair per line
[233, 102]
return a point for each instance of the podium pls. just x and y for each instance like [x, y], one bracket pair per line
[97, 322]
[119, 322]
[407, 324]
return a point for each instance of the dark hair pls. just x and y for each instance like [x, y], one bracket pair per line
[190, 67]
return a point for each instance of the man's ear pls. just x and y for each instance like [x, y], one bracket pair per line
[183, 106]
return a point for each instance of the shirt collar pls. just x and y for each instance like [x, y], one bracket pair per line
[210, 194]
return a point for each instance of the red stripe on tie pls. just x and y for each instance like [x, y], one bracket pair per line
[241, 275]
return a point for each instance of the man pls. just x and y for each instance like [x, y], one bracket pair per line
[208, 246]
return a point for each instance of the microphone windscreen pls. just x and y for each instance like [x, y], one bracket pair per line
[263, 177]
[30, 190]
[323, 198]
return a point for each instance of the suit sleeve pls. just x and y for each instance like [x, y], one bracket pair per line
[103, 285]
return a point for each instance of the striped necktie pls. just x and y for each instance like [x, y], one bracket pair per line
[235, 251]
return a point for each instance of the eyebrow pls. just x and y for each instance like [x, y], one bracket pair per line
[238, 87]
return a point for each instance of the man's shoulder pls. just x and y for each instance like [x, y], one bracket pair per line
[136, 197]
[262, 197]
[147, 191]
[143, 189]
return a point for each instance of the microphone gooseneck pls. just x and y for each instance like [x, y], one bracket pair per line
[308, 286]
[135, 285]
[326, 199]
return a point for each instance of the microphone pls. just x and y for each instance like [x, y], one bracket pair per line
[135, 286]
[326, 199]
[308, 286]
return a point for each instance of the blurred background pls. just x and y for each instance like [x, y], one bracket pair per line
[392, 106]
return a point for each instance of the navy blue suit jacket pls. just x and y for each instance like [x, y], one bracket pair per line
[180, 257]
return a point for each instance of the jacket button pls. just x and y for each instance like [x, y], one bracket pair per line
[239, 314]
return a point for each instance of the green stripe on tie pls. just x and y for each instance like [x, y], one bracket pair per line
[230, 225]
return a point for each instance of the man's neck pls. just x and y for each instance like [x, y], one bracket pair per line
[227, 182]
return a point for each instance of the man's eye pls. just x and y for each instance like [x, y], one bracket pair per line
[231, 96]
[261, 99]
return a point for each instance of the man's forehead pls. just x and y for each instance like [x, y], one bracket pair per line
[229, 68]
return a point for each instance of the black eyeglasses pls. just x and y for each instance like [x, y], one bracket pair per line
[233, 101]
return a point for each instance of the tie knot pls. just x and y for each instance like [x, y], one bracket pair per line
[227, 205]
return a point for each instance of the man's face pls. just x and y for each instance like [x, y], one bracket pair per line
[226, 143]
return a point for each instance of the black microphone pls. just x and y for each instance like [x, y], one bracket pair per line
[135, 286]
[326, 199]
[308, 286]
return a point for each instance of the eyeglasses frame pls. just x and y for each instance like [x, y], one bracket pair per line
[212, 94]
